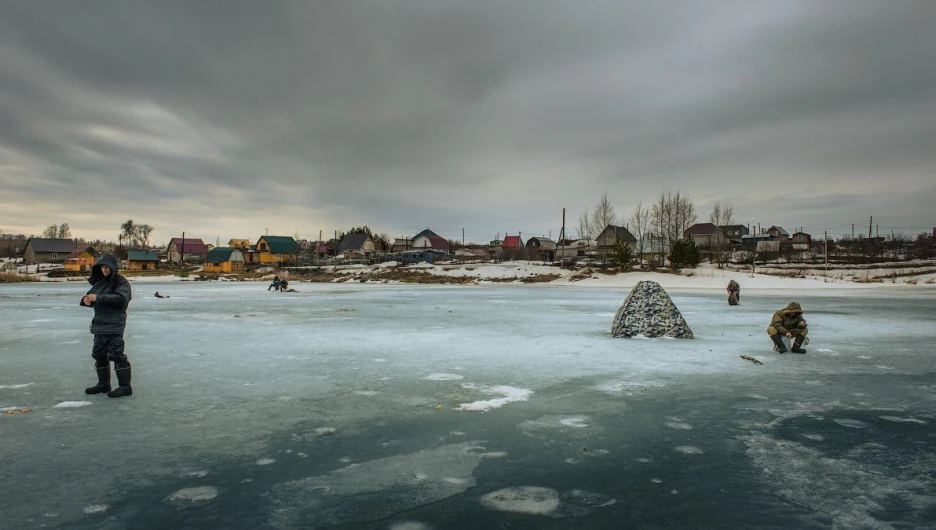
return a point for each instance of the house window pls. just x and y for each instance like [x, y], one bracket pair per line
[263, 246]
[54, 256]
[279, 256]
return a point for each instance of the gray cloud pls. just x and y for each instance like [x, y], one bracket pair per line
[229, 118]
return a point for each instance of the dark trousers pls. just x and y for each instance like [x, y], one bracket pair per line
[108, 348]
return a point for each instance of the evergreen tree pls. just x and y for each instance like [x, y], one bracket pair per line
[684, 254]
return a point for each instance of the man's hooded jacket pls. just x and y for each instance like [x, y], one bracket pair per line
[788, 318]
[113, 297]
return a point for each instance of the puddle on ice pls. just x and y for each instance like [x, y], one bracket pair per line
[375, 489]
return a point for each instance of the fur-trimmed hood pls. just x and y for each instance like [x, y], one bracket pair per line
[792, 308]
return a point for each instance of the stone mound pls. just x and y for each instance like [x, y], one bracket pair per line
[650, 312]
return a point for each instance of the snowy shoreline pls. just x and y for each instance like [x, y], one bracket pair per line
[703, 278]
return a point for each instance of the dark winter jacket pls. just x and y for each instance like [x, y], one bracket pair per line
[788, 318]
[113, 297]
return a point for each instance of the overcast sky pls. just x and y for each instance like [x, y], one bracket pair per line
[237, 118]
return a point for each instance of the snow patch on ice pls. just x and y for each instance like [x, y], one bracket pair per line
[443, 377]
[410, 525]
[852, 424]
[522, 499]
[366, 392]
[22, 385]
[265, 461]
[95, 508]
[689, 450]
[510, 394]
[190, 495]
[898, 419]
[678, 425]
[579, 422]
[72, 404]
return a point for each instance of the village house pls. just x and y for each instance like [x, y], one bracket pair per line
[736, 232]
[224, 260]
[194, 251]
[81, 260]
[12, 246]
[356, 245]
[706, 236]
[611, 236]
[427, 239]
[239, 244]
[275, 250]
[43, 250]
[142, 260]
[542, 247]
[779, 234]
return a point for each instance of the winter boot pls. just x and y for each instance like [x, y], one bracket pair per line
[798, 346]
[778, 343]
[103, 378]
[122, 370]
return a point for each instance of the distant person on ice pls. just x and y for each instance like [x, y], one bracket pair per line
[734, 293]
[788, 322]
[109, 296]
[275, 285]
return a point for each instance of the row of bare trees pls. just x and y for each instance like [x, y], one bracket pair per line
[61, 231]
[135, 235]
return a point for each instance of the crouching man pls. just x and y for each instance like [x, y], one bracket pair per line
[788, 322]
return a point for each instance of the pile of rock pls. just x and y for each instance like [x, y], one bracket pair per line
[650, 312]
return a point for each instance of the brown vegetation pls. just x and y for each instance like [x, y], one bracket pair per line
[8, 277]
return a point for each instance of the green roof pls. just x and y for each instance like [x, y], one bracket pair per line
[220, 254]
[280, 244]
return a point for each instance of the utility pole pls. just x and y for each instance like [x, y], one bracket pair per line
[182, 250]
[463, 237]
[870, 220]
[825, 239]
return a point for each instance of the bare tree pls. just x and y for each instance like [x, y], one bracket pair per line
[62, 231]
[603, 214]
[584, 229]
[143, 232]
[640, 220]
[721, 217]
[128, 232]
[672, 213]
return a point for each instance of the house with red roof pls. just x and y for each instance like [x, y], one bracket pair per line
[512, 242]
[188, 249]
[427, 239]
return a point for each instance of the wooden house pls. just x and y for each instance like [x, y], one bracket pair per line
[142, 260]
[543, 246]
[706, 236]
[81, 260]
[239, 244]
[512, 242]
[12, 247]
[779, 233]
[224, 260]
[194, 250]
[43, 250]
[356, 244]
[275, 250]
[427, 239]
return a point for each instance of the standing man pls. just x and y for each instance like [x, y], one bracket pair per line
[109, 296]
[788, 322]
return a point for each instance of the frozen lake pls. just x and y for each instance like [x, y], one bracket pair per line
[413, 407]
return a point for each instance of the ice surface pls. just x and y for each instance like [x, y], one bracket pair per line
[360, 405]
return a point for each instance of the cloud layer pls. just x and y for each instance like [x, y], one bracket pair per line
[228, 119]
